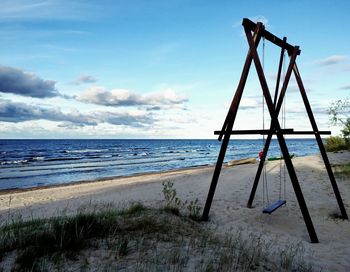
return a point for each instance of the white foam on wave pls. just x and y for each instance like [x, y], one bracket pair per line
[85, 150]
[14, 162]
[38, 158]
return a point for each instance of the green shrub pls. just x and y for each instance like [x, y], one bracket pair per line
[194, 210]
[173, 204]
[336, 143]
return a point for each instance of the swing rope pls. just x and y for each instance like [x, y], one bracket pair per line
[265, 184]
[282, 164]
[284, 126]
[265, 188]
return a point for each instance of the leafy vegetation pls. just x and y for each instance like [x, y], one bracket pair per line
[336, 143]
[194, 210]
[173, 204]
[339, 115]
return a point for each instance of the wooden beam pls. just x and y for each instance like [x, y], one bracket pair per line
[248, 24]
[279, 73]
[254, 131]
[288, 131]
[311, 132]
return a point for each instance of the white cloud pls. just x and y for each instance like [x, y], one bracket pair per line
[332, 60]
[122, 97]
[17, 81]
[247, 103]
[255, 19]
[345, 87]
[84, 79]
[15, 112]
[262, 19]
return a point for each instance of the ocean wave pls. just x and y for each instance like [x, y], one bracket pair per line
[23, 161]
[36, 159]
[63, 159]
[40, 150]
[177, 151]
[101, 164]
[39, 158]
[14, 162]
[100, 156]
[52, 172]
[85, 151]
[56, 161]
[141, 154]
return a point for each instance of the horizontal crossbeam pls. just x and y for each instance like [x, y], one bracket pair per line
[252, 131]
[325, 132]
[269, 131]
[270, 37]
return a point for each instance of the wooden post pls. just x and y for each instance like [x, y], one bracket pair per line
[320, 143]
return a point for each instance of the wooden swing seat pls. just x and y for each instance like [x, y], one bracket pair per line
[274, 206]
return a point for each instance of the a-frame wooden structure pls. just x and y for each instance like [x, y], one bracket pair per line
[274, 108]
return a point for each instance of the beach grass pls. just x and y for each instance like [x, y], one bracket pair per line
[342, 170]
[136, 238]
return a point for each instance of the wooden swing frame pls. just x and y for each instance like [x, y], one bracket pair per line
[274, 108]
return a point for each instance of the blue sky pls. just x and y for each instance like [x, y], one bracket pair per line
[158, 69]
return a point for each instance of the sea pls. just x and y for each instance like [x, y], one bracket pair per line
[35, 163]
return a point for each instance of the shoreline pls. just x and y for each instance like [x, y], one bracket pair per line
[74, 183]
[76, 189]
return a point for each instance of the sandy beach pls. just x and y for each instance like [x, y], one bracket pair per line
[228, 213]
